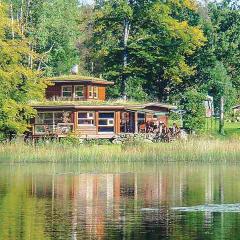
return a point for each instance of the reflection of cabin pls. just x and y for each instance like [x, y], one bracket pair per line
[77, 105]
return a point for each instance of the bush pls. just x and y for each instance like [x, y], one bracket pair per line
[194, 117]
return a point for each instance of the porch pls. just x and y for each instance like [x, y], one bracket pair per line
[99, 122]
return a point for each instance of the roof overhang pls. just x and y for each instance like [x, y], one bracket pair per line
[78, 107]
[154, 108]
[83, 82]
[79, 79]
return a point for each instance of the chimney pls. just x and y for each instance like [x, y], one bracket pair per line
[74, 69]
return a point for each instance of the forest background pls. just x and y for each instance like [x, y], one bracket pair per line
[174, 51]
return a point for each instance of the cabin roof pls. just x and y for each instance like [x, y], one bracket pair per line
[153, 104]
[78, 78]
[116, 104]
[236, 107]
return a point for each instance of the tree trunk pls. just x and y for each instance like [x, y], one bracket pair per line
[221, 118]
[125, 57]
[12, 20]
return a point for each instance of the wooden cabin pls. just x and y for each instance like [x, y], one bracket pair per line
[77, 105]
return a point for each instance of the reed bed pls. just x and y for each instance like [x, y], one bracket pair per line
[190, 151]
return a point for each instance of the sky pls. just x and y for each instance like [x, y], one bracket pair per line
[86, 1]
[91, 1]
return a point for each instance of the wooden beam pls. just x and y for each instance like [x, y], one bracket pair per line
[96, 120]
[117, 122]
[75, 121]
[136, 121]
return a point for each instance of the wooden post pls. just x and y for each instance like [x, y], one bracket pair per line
[97, 119]
[87, 92]
[75, 121]
[136, 121]
[221, 119]
[117, 122]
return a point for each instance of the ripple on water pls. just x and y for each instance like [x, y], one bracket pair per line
[235, 207]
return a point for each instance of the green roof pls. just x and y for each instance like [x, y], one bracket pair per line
[131, 105]
[69, 78]
[86, 103]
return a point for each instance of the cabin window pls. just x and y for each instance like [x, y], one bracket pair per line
[44, 118]
[49, 122]
[141, 118]
[67, 91]
[106, 122]
[79, 91]
[93, 92]
[86, 118]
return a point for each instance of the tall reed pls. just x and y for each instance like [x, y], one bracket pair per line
[193, 150]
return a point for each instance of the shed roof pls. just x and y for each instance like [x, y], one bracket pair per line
[236, 107]
[79, 78]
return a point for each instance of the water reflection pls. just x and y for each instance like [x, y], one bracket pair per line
[55, 202]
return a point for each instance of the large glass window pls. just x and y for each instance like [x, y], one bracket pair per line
[44, 118]
[67, 91]
[106, 122]
[50, 122]
[86, 118]
[79, 91]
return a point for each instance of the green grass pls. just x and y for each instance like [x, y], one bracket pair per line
[232, 129]
[194, 150]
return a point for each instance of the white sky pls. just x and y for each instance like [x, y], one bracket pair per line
[91, 1]
[86, 1]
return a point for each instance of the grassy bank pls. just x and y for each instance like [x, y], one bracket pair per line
[193, 150]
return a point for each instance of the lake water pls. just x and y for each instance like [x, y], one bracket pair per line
[118, 201]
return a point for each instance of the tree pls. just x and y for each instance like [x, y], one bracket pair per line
[52, 27]
[147, 42]
[221, 25]
[20, 83]
[220, 86]
[192, 104]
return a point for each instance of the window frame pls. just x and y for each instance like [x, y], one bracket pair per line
[83, 91]
[54, 125]
[108, 124]
[93, 118]
[70, 86]
[93, 90]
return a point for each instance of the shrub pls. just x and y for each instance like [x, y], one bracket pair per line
[194, 117]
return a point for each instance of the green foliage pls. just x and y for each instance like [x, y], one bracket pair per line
[19, 82]
[192, 104]
[161, 38]
[217, 63]
[53, 29]
[220, 85]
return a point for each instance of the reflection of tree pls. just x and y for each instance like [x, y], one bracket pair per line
[108, 206]
[22, 217]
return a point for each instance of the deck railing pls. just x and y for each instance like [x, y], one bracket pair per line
[49, 129]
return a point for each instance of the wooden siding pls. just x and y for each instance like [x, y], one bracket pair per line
[117, 122]
[86, 130]
[53, 91]
[56, 91]
[101, 93]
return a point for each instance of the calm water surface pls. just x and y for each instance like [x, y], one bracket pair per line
[117, 201]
